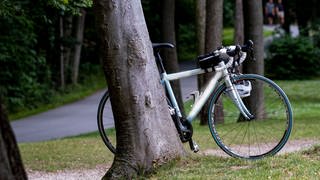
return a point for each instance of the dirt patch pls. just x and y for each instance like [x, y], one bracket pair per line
[291, 146]
[83, 174]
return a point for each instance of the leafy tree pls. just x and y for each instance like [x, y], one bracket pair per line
[23, 71]
[72, 16]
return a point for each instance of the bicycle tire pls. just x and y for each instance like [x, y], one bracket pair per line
[257, 138]
[105, 122]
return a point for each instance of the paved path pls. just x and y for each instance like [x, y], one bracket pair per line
[73, 119]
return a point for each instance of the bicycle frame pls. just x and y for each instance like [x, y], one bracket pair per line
[166, 78]
[221, 72]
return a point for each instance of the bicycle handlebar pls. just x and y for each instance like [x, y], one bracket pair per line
[230, 51]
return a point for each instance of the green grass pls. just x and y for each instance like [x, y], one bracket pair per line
[72, 93]
[85, 151]
[301, 165]
[228, 36]
[88, 151]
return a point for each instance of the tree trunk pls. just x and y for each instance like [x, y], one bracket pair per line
[146, 135]
[238, 24]
[11, 166]
[201, 24]
[170, 55]
[67, 36]
[201, 27]
[253, 28]
[62, 76]
[213, 39]
[79, 27]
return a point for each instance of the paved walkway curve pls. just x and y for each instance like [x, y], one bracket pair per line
[74, 118]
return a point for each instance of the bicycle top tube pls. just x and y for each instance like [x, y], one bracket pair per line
[184, 74]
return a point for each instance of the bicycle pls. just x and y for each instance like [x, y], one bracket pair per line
[241, 127]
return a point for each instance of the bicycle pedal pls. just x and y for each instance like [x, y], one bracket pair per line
[194, 146]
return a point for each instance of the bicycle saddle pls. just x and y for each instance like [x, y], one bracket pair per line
[162, 45]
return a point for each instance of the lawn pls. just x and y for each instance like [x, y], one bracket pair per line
[88, 150]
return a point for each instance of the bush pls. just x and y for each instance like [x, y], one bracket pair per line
[292, 58]
[24, 75]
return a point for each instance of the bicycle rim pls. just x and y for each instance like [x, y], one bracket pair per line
[105, 122]
[251, 139]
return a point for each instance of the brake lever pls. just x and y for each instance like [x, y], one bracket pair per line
[251, 54]
[251, 51]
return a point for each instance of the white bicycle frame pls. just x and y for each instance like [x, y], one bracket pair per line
[221, 72]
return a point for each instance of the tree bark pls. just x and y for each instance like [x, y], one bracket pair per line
[170, 55]
[201, 27]
[11, 166]
[146, 135]
[79, 28]
[238, 24]
[213, 39]
[201, 24]
[62, 68]
[253, 29]
[67, 36]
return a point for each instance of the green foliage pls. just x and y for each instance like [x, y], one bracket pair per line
[228, 13]
[23, 72]
[186, 42]
[29, 51]
[152, 13]
[70, 6]
[293, 58]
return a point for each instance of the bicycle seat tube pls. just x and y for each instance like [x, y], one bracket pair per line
[219, 73]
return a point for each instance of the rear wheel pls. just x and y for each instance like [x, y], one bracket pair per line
[106, 122]
[262, 136]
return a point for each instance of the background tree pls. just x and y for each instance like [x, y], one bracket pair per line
[11, 166]
[238, 23]
[213, 39]
[78, 34]
[146, 135]
[253, 29]
[71, 28]
[170, 55]
[201, 26]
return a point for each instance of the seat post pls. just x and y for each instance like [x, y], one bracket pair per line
[158, 57]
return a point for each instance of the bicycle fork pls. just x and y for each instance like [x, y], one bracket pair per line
[236, 99]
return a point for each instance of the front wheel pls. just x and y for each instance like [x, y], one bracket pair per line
[266, 133]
